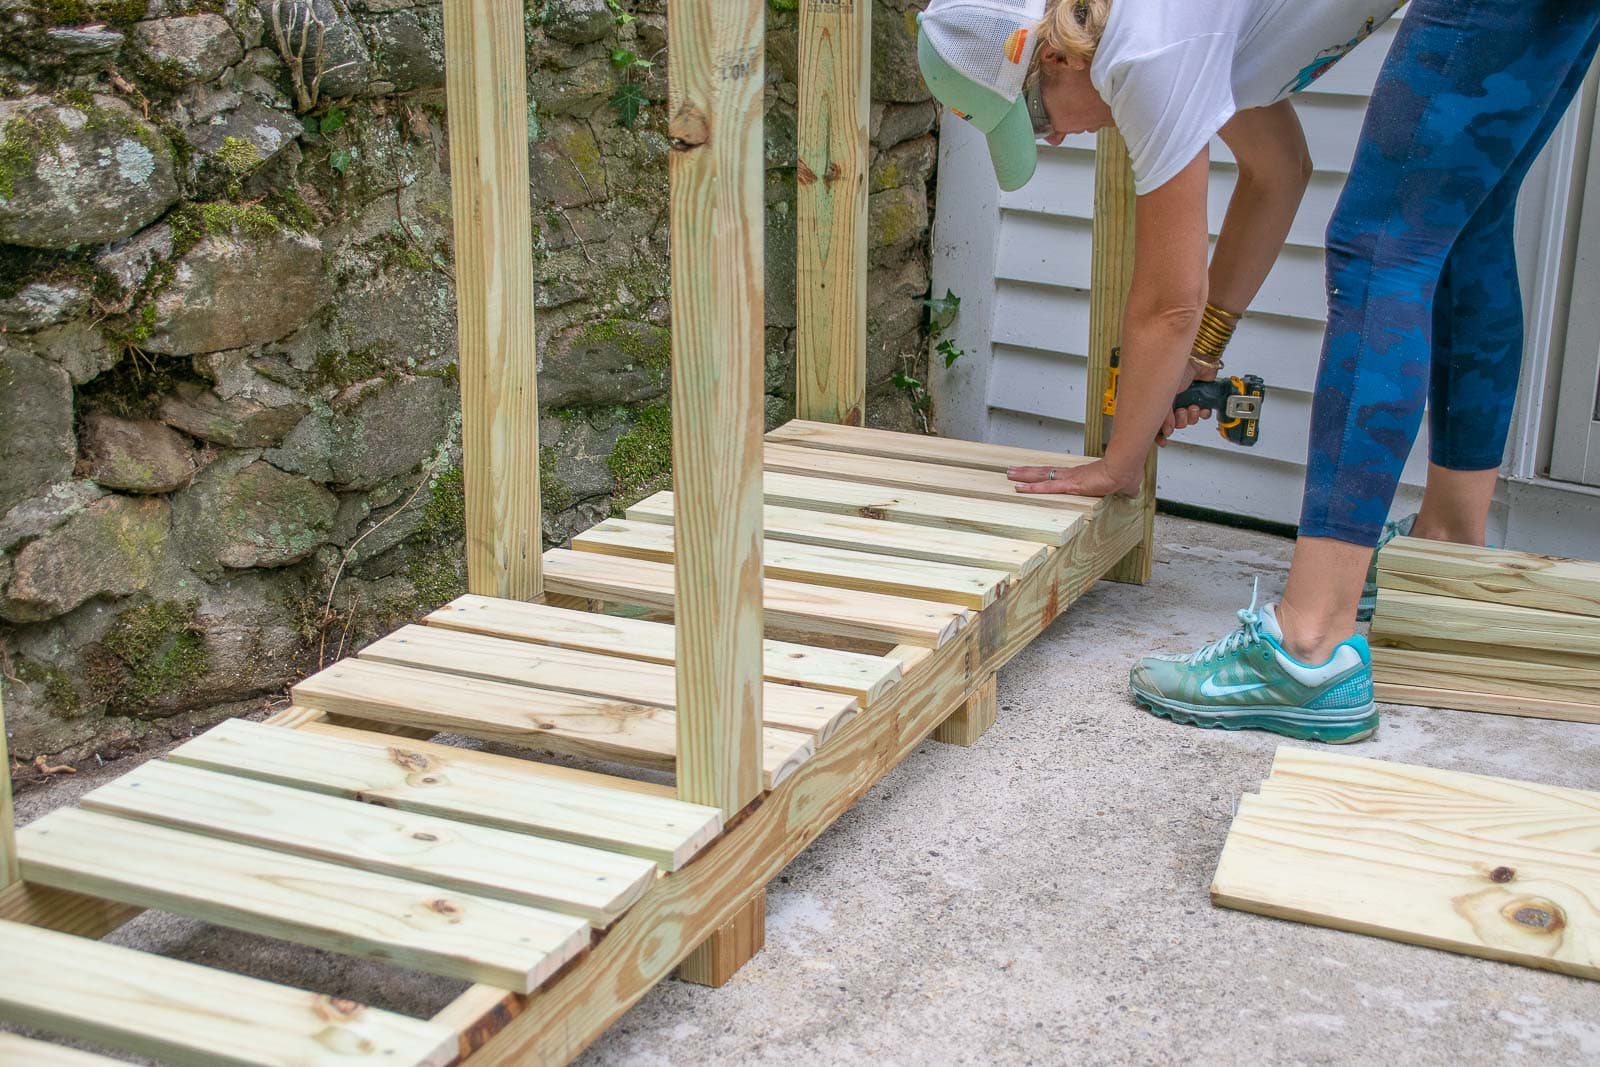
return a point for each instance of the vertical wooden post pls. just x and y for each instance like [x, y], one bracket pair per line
[831, 222]
[715, 78]
[972, 720]
[488, 110]
[1110, 274]
[716, 958]
[8, 830]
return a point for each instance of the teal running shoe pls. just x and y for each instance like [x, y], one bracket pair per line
[1246, 681]
[1369, 593]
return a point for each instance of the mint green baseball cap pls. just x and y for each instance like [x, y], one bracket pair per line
[974, 55]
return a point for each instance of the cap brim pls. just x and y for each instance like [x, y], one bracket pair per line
[1013, 149]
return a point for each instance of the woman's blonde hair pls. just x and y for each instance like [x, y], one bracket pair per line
[1073, 27]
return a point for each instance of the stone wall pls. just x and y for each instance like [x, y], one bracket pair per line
[228, 405]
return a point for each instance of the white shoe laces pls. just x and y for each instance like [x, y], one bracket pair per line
[1248, 633]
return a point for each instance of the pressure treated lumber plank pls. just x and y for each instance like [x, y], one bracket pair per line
[193, 1015]
[965, 726]
[436, 648]
[570, 1012]
[23, 1052]
[840, 568]
[911, 474]
[915, 507]
[715, 959]
[862, 676]
[1110, 278]
[412, 776]
[1476, 895]
[715, 78]
[876, 535]
[1291, 762]
[1458, 700]
[889, 444]
[1403, 615]
[1498, 576]
[342, 909]
[832, 151]
[486, 94]
[1487, 673]
[789, 606]
[594, 885]
[522, 715]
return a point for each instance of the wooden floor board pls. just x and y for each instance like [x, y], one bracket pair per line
[926, 505]
[789, 606]
[862, 676]
[843, 568]
[950, 451]
[452, 934]
[471, 787]
[593, 884]
[1497, 576]
[541, 719]
[911, 474]
[187, 1014]
[876, 535]
[436, 648]
[1401, 614]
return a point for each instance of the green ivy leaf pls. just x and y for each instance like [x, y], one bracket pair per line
[339, 159]
[942, 312]
[947, 348]
[902, 380]
[627, 101]
[621, 57]
[333, 121]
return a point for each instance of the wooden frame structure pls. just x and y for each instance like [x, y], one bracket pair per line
[892, 576]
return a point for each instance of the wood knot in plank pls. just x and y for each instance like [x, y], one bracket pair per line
[410, 761]
[689, 128]
[336, 1009]
[1502, 874]
[804, 174]
[423, 835]
[448, 908]
[834, 173]
[873, 511]
[1536, 913]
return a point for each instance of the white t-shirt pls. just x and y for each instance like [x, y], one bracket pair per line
[1174, 71]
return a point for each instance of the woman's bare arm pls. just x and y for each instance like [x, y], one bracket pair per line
[1274, 169]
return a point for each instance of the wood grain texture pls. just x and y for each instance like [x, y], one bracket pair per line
[542, 719]
[563, 1018]
[435, 648]
[831, 210]
[22, 1052]
[972, 720]
[488, 109]
[1404, 615]
[913, 474]
[57, 909]
[191, 1015]
[916, 507]
[874, 535]
[1492, 673]
[923, 448]
[469, 787]
[1526, 705]
[455, 935]
[862, 676]
[840, 568]
[789, 606]
[715, 959]
[593, 884]
[1110, 277]
[716, 69]
[8, 818]
[1497, 576]
[1463, 892]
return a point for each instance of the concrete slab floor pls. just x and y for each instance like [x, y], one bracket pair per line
[1041, 897]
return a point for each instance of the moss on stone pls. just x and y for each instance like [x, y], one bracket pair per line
[238, 157]
[27, 137]
[60, 695]
[290, 207]
[438, 571]
[193, 222]
[444, 517]
[555, 495]
[151, 651]
[644, 453]
[784, 5]
[337, 368]
[79, 12]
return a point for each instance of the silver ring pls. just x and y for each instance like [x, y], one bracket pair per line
[1050, 473]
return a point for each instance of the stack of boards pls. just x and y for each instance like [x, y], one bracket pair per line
[1484, 866]
[1487, 630]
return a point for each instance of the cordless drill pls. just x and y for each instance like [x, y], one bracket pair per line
[1237, 402]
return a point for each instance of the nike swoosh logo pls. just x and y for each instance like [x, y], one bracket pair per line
[1210, 688]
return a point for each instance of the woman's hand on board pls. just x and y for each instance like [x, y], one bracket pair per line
[1086, 479]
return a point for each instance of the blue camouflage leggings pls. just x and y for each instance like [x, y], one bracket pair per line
[1423, 301]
